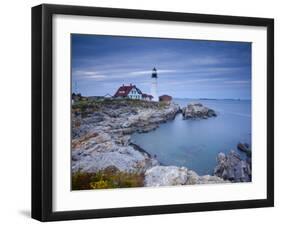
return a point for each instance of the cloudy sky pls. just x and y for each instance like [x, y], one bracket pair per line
[186, 68]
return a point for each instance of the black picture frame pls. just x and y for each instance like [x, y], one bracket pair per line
[42, 107]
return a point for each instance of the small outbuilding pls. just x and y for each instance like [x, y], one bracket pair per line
[147, 97]
[165, 98]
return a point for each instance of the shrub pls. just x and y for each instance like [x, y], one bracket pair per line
[81, 181]
[107, 178]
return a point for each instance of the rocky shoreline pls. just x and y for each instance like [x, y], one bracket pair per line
[101, 139]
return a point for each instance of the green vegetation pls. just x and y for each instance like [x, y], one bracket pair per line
[108, 178]
[85, 106]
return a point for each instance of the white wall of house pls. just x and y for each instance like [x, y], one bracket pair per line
[134, 94]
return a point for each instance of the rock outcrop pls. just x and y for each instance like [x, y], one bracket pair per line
[194, 178]
[99, 152]
[173, 175]
[231, 167]
[101, 138]
[245, 148]
[197, 110]
[165, 176]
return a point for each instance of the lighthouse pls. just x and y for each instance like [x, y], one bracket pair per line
[154, 91]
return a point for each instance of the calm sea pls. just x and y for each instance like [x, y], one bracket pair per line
[196, 143]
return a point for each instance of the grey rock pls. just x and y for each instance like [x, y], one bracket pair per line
[173, 175]
[101, 156]
[165, 176]
[102, 138]
[244, 147]
[232, 167]
[197, 110]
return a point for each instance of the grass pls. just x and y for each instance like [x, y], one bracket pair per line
[88, 106]
[104, 179]
[83, 106]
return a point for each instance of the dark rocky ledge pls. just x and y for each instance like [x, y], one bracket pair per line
[233, 168]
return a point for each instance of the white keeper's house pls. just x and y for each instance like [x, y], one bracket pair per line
[132, 92]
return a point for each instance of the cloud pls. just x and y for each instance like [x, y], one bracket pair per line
[80, 75]
[96, 77]
[193, 81]
[237, 82]
[149, 72]
[117, 73]
[206, 60]
[192, 66]
[83, 73]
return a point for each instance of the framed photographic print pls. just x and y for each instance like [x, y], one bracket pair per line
[145, 112]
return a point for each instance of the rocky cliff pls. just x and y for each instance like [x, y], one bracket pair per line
[101, 133]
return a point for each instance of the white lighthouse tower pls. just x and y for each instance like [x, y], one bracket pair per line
[154, 90]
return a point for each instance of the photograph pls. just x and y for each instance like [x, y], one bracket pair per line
[150, 112]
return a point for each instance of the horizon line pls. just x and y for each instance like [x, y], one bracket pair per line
[201, 98]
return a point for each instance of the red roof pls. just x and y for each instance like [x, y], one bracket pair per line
[123, 91]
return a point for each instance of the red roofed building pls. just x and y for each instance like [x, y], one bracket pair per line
[130, 91]
[165, 98]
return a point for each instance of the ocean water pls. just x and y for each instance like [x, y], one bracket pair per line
[196, 143]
